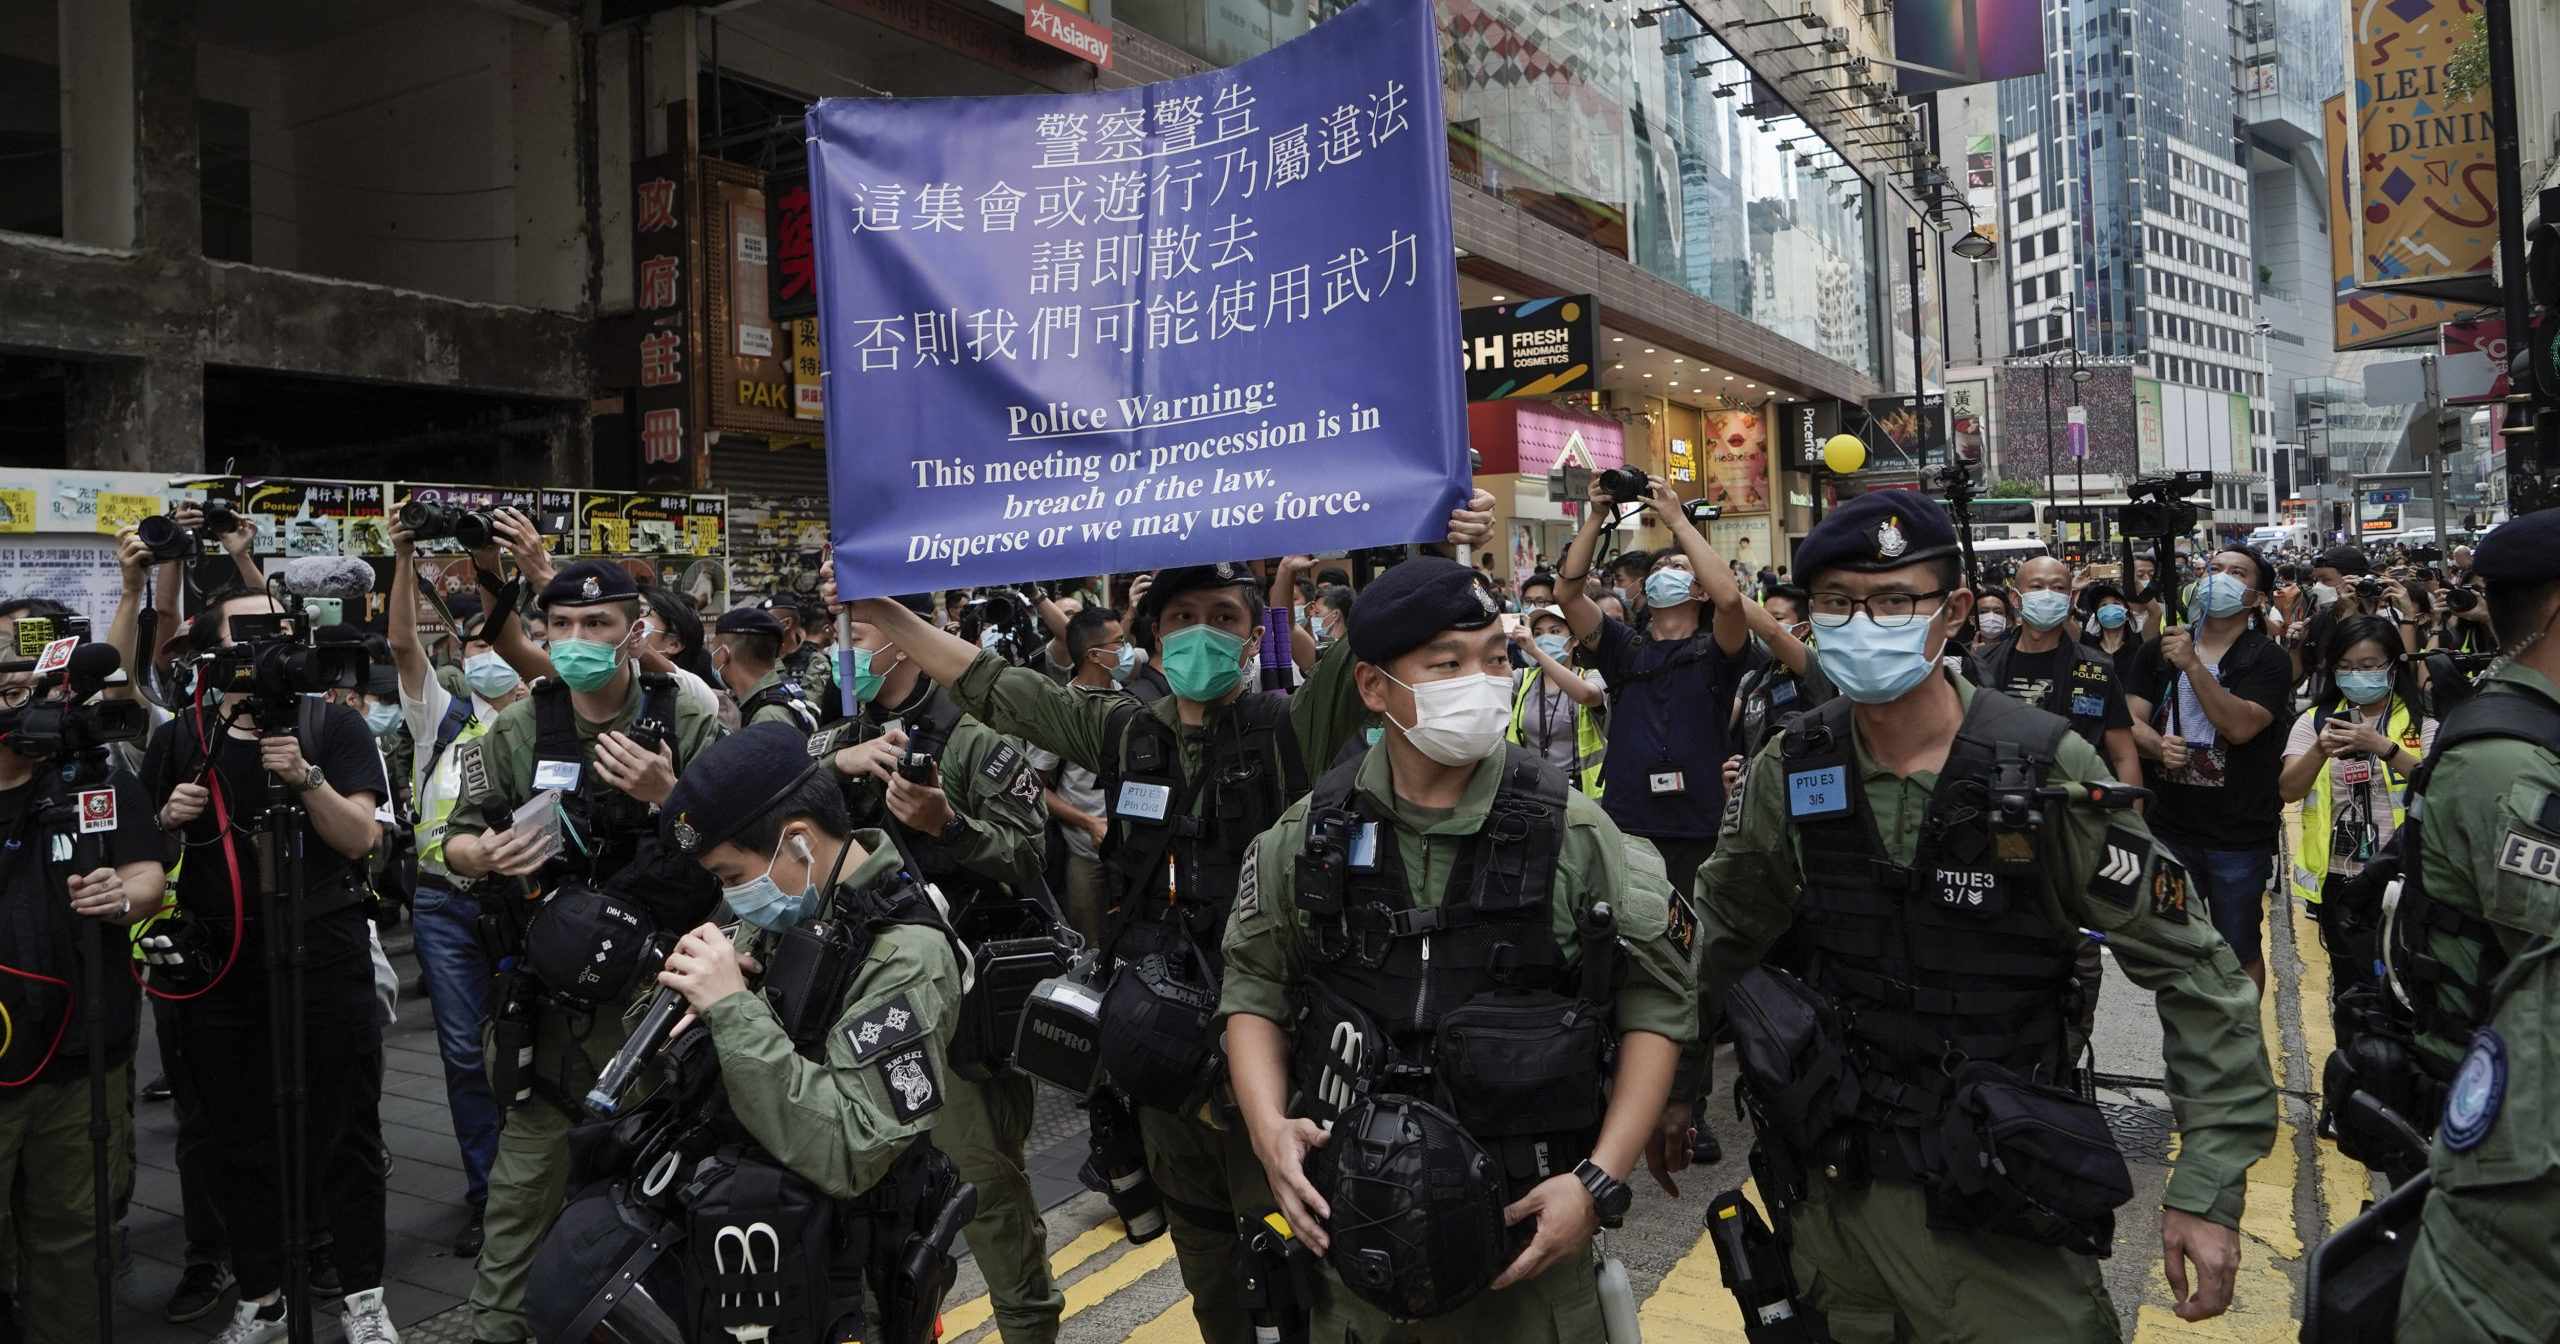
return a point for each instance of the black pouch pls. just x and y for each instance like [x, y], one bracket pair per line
[2028, 1161]
[1787, 1041]
[813, 965]
[1012, 950]
[2356, 1275]
[1158, 1019]
[1515, 1064]
[606, 1270]
[588, 946]
[2378, 1103]
[759, 1250]
[1335, 1055]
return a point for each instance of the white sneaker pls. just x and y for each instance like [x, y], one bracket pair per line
[250, 1324]
[368, 1320]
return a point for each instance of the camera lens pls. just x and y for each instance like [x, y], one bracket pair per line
[220, 520]
[474, 530]
[161, 535]
[428, 521]
[1626, 485]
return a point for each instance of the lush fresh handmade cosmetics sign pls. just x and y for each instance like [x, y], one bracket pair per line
[1197, 320]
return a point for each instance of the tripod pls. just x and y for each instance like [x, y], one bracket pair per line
[59, 819]
[280, 881]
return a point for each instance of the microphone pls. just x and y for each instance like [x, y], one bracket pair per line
[91, 668]
[338, 576]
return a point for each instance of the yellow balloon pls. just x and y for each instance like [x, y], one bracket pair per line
[1843, 453]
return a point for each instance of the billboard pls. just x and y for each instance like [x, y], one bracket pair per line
[1531, 348]
[2366, 319]
[2425, 215]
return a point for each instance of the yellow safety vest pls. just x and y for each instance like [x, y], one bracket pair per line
[443, 789]
[2311, 864]
[1588, 740]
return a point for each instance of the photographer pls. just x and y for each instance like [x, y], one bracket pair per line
[46, 1159]
[209, 771]
[2462, 622]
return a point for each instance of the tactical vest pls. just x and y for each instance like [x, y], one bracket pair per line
[1468, 1003]
[785, 692]
[797, 667]
[447, 783]
[2417, 973]
[2080, 696]
[608, 824]
[1770, 696]
[1179, 842]
[1589, 743]
[928, 726]
[2384, 787]
[1956, 957]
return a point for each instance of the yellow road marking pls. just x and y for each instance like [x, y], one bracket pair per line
[1132, 1266]
[1691, 1302]
[1171, 1325]
[2344, 1182]
[977, 1311]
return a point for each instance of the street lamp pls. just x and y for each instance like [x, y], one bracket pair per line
[1973, 246]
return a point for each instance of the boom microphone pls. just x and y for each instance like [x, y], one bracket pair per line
[339, 576]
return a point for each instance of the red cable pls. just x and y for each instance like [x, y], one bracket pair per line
[71, 999]
[230, 859]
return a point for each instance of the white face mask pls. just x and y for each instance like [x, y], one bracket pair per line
[1458, 720]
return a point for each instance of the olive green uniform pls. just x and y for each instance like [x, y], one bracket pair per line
[836, 1122]
[2487, 1262]
[1865, 1255]
[1268, 951]
[781, 714]
[529, 1178]
[814, 667]
[984, 1125]
[1204, 1161]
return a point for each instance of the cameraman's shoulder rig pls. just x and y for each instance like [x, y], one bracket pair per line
[608, 825]
[1469, 1002]
[1192, 829]
[2380, 1090]
[1927, 1036]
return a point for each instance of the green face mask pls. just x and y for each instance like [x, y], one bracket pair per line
[865, 682]
[585, 664]
[1203, 662]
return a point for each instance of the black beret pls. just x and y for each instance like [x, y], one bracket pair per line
[1879, 530]
[2526, 548]
[586, 584]
[463, 604]
[783, 602]
[2345, 560]
[1403, 608]
[1172, 583]
[732, 782]
[747, 621]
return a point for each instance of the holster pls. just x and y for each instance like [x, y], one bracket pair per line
[1788, 1042]
[2356, 1275]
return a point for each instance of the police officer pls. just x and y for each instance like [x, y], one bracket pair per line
[804, 660]
[1468, 882]
[746, 644]
[969, 806]
[573, 735]
[833, 1092]
[1896, 838]
[2487, 880]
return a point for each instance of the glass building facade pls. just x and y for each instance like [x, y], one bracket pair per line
[1616, 134]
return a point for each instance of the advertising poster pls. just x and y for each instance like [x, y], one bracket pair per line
[1736, 460]
[1745, 540]
[2150, 437]
[1969, 419]
[2367, 319]
[2426, 172]
[1212, 317]
[1530, 348]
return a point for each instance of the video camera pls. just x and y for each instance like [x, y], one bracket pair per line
[161, 535]
[275, 659]
[74, 727]
[1007, 612]
[2163, 506]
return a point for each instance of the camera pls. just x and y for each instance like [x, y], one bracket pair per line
[275, 659]
[74, 727]
[2163, 506]
[1700, 511]
[995, 606]
[2460, 599]
[429, 520]
[2369, 588]
[1624, 485]
[37, 632]
[161, 535]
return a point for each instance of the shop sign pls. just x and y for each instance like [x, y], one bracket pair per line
[1068, 31]
[1530, 349]
[662, 292]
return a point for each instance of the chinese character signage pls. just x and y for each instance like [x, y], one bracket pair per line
[795, 247]
[1203, 319]
[662, 294]
[1530, 349]
[750, 352]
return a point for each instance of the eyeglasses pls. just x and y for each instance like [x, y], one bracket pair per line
[1890, 610]
[16, 696]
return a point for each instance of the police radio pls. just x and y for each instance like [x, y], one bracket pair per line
[1060, 1039]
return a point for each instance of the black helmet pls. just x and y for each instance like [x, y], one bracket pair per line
[603, 1274]
[1417, 1207]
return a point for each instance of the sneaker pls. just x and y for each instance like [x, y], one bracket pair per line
[254, 1324]
[467, 1245]
[156, 1090]
[368, 1321]
[320, 1271]
[199, 1291]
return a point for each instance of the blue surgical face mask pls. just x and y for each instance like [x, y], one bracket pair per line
[1667, 587]
[381, 718]
[2112, 615]
[761, 901]
[1871, 664]
[489, 675]
[1127, 667]
[1553, 646]
[2044, 608]
[2221, 594]
[2364, 688]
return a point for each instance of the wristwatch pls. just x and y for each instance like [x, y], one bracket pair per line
[952, 829]
[311, 779]
[1608, 1193]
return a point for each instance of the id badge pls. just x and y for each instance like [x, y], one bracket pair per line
[2356, 771]
[1143, 802]
[1817, 791]
[561, 775]
[1668, 781]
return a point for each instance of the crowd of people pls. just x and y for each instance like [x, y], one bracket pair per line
[1406, 903]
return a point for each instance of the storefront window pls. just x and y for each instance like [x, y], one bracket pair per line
[1599, 127]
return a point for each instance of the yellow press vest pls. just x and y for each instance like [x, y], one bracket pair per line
[443, 789]
[2311, 863]
[1588, 740]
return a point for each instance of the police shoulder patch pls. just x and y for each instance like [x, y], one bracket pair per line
[2479, 1089]
[1683, 931]
[1732, 824]
[893, 1022]
[2529, 858]
[473, 768]
[2168, 889]
[914, 1090]
[1025, 788]
[2118, 879]
[1000, 761]
[1249, 881]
